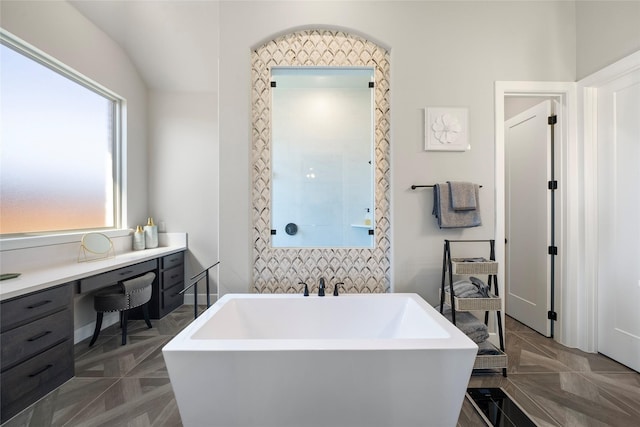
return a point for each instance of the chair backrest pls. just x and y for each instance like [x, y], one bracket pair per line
[138, 290]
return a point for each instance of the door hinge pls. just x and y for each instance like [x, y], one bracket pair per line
[273, 232]
[273, 84]
[552, 185]
[552, 120]
[552, 315]
[553, 250]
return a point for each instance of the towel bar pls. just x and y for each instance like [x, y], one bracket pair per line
[414, 186]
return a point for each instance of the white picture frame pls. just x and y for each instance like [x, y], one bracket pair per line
[446, 129]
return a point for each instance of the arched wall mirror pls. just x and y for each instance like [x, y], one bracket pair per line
[279, 267]
[322, 145]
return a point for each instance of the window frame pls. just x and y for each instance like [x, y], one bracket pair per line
[29, 239]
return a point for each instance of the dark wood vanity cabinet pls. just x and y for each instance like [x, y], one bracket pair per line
[36, 329]
[36, 344]
[169, 281]
[172, 282]
[166, 287]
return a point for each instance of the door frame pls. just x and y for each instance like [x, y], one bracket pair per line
[567, 200]
[587, 92]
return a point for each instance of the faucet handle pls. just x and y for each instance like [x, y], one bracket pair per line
[306, 288]
[321, 287]
[335, 288]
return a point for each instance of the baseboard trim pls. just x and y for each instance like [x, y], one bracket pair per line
[86, 331]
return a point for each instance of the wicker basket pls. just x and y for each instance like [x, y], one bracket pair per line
[472, 304]
[491, 361]
[459, 266]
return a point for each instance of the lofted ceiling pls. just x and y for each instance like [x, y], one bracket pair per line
[173, 43]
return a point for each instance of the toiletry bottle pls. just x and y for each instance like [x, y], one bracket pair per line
[138, 239]
[367, 217]
[151, 234]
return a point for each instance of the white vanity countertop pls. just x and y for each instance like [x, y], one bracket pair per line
[39, 279]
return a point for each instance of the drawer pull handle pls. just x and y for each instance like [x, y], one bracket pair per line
[175, 275]
[40, 335]
[39, 304]
[124, 273]
[39, 371]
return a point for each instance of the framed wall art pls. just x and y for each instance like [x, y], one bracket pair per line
[446, 129]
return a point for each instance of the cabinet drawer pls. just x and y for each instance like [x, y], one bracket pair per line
[112, 277]
[172, 260]
[28, 340]
[26, 308]
[172, 277]
[29, 381]
[171, 298]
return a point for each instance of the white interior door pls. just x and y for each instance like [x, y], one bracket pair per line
[618, 225]
[527, 223]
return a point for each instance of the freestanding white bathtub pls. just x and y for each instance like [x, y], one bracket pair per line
[388, 360]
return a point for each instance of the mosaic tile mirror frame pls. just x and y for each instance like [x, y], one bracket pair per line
[279, 270]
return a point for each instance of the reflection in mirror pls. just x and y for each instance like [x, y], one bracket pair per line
[95, 246]
[322, 157]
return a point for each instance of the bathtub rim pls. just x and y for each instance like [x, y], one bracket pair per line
[183, 341]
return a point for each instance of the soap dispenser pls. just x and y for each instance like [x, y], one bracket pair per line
[151, 234]
[367, 217]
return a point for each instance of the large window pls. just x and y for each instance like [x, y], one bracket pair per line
[60, 136]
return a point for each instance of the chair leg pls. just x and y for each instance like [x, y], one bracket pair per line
[125, 318]
[96, 332]
[145, 312]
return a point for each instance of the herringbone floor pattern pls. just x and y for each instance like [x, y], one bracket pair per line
[129, 386]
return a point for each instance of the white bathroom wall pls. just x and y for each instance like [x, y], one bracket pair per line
[606, 32]
[442, 54]
[183, 171]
